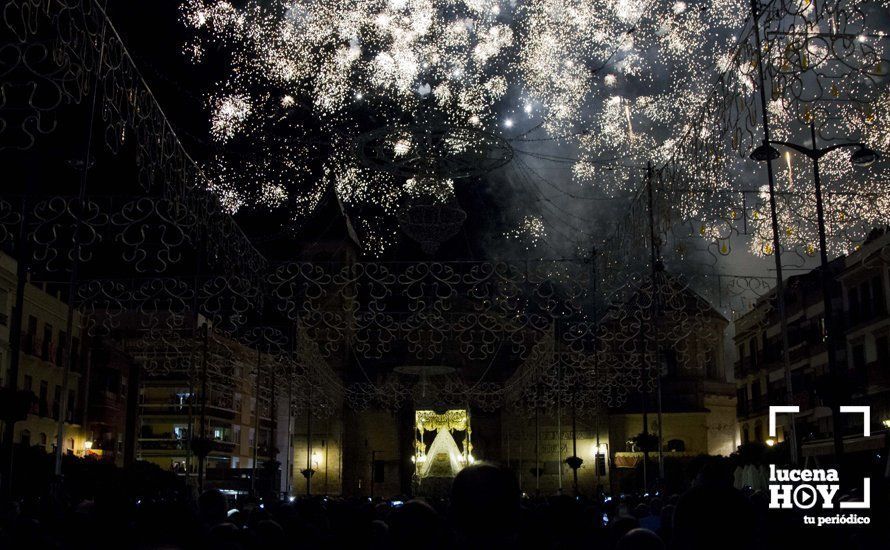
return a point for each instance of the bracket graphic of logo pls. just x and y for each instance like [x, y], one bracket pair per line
[805, 488]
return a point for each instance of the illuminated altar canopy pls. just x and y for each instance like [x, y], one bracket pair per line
[444, 457]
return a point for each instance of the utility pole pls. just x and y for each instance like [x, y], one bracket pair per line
[656, 268]
[777, 250]
[256, 421]
[202, 426]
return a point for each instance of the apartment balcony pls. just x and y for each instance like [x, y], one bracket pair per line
[165, 409]
[752, 364]
[222, 409]
[29, 345]
[179, 445]
[162, 444]
[877, 376]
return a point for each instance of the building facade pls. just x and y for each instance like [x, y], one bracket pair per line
[171, 414]
[41, 370]
[760, 368]
[859, 293]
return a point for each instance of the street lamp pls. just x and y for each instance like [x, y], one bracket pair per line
[863, 157]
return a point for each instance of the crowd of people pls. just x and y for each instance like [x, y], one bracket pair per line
[485, 510]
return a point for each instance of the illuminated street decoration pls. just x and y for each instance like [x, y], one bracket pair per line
[479, 311]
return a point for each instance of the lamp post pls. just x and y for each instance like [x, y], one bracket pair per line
[862, 157]
[777, 248]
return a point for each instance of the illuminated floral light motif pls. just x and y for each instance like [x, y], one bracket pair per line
[821, 75]
[826, 65]
[854, 203]
[429, 190]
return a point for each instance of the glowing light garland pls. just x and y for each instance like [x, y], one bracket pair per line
[823, 63]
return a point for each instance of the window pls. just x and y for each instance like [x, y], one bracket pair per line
[859, 358]
[676, 445]
[29, 383]
[600, 465]
[57, 401]
[877, 295]
[758, 432]
[180, 431]
[853, 295]
[379, 471]
[75, 353]
[42, 439]
[42, 400]
[183, 398]
[4, 305]
[25, 438]
[30, 337]
[60, 347]
[70, 408]
[742, 401]
[864, 304]
[746, 435]
[46, 345]
[881, 342]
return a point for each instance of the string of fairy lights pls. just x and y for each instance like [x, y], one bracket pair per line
[233, 122]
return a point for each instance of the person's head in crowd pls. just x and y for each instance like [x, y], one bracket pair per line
[715, 472]
[379, 534]
[667, 520]
[709, 513]
[641, 510]
[485, 503]
[623, 525]
[655, 506]
[212, 507]
[640, 539]
[225, 536]
[415, 520]
[269, 534]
